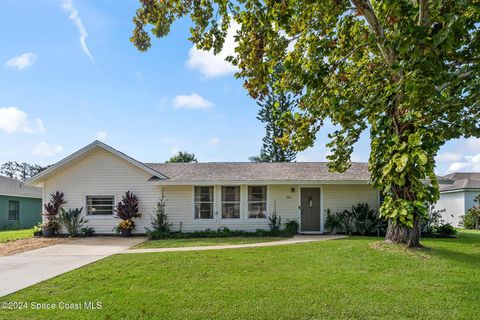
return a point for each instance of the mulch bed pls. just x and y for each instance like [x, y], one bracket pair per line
[17, 246]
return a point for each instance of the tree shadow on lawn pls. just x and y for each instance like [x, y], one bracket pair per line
[472, 258]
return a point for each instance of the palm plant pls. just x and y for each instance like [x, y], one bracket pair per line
[71, 220]
[366, 219]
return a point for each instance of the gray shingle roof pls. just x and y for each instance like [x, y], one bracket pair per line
[13, 187]
[461, 180]
[250, 171]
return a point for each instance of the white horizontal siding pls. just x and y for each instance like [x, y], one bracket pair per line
[342, 197]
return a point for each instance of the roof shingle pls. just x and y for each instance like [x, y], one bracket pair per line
[13, 187]
[251, 171]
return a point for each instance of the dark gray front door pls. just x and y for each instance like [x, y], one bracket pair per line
[310, 209]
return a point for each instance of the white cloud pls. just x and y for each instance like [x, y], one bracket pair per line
[22, 61]
[43, 149]
[73, 15]
[192, 101]
[211, 65]
[448, 157]
[214, 141]
[473, 144]
[101, 136]
[14, 120]
[469, 163]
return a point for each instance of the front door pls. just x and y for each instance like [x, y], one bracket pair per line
[310, 209]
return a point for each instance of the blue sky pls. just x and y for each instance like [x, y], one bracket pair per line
[69, 75]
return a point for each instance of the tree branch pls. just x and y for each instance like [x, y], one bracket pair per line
[423, 12]
[460, 76]
[366, 9]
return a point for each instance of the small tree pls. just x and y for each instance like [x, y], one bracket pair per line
[182, 156]
[160, 218]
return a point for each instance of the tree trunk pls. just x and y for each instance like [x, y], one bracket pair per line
[400, 234]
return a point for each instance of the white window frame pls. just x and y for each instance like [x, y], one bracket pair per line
[99, 196]
[229, 202]
[266, 202]
[212, 202]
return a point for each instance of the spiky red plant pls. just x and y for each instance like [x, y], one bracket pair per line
[127, 208]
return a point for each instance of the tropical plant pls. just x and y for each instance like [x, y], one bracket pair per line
[182, 156]
[292, 226]
[160, 221]
[332, 223]
[127, 210]
[407, 71]
[51, 210]
[471, 219]
[37, 230]
[87, 231]
[366, 219]
[347, 221]
[71, 220]
[274, 222]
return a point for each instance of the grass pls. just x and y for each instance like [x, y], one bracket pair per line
[354, 278]
[175, 243]
[10, 235]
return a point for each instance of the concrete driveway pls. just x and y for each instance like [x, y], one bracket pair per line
[28, 268]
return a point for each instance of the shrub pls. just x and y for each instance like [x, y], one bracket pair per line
[444, 231]
[332, 223]
[360, 219]
[471, 219]
[274, 222]
[160, 218]
[366, 219]
[71, 220]
[291, 227]
[87, 231]
[127, 210]
[222, 232]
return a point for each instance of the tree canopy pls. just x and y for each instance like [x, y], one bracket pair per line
[271, 112]
[182, 156]
[21, 171]
[405, 70]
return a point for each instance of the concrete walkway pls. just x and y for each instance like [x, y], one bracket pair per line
[296, 239]
[28, 268]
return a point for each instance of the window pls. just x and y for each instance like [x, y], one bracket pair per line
[203, 202]
[230, 202]
[13, 210]
[257, 202]
[100, 205]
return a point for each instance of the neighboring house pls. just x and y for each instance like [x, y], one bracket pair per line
[20, 205]
[457, 193]
[204, 195]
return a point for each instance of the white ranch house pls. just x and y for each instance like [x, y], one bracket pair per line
[204, 195]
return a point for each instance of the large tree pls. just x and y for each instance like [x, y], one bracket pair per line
[405, 70]
[182, 156]
[271, 111]
[21, 171]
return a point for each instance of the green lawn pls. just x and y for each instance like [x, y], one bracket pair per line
[175, 243]
[339, 279]
[9, 235]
